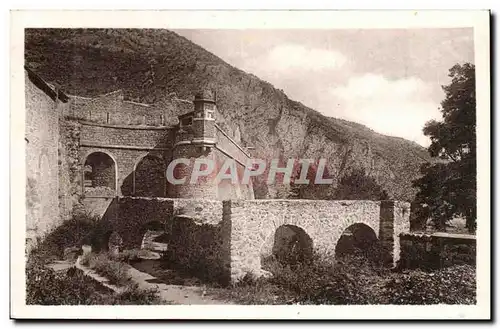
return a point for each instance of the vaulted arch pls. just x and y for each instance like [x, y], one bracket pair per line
[99, 174]
[149, 177]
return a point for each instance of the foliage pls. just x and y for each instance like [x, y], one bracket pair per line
[115, 271]
[44, 286]
[355, 280]
[133, 295]
[357, 185]
[128, 256]
[70, 233]
[452, 285]
[449, 188]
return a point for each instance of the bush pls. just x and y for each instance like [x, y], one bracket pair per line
[133, 295]
[44, 286]
[452, 285]
[115, 271]
[320, 282]
[70, 233]
[128, 256]
[355, 280]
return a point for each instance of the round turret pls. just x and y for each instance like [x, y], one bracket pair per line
[204, 96]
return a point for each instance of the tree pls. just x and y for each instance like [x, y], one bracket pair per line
[448, 188]
[359, 186]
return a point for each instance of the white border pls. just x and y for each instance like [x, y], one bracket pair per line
[241, 20]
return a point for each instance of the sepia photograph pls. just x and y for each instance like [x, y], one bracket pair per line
[290, 159]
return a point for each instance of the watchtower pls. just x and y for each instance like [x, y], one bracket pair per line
[195, 140]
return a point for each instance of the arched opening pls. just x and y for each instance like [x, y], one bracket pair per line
[154, 236]
[149, 177]
[99, 175]
[358, 241]
[115, 243]
[292, 245]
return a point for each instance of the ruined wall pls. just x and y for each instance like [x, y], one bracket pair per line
[42, 142]
[125, 162]
[438, 250]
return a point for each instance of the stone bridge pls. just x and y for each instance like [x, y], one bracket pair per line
[225, 240]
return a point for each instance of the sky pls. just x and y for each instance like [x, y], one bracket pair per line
[389, 80]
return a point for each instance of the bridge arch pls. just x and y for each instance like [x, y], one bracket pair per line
[292, 244]
[357, 239]
[99, 174]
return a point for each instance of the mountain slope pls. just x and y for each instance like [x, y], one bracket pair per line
[151, 64]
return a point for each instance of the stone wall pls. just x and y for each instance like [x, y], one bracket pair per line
[200, 239]
[437, 250]
[126, 160]
[129, 216]
[225, 240]
[114, 136]
[42, 143]
[70, 167]
[255, 222]
[111, 108]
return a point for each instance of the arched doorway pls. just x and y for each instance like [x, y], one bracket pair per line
[154, 236]
[149, 177]
[99, 175]
[292, 245]
[358, 242]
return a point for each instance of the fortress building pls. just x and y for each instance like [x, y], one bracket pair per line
[109, 157]
[92, 150]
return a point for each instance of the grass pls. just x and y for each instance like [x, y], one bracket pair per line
[44, 286]
[353, 280]
[115, 271]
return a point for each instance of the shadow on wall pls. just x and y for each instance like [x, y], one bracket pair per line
[201, 249]
[292, 245]
[131, 218]
[360, 240]
[148, 179]
[436, 251]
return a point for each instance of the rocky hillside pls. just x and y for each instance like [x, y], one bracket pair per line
[149, 65]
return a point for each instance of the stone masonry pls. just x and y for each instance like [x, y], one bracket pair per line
[225, 240]
[90, 149]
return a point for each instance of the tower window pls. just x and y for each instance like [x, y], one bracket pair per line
[186, 121]
[107, 117]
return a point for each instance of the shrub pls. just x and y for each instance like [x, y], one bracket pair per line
[321, 283]
[69, 234]
[355, 280]
[115, 271]
[128, 256]
[452, 285]
[44, 286]
[133, 295]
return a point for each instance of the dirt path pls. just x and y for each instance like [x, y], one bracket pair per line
[177, 294]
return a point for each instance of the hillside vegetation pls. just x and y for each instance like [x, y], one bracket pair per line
[149, 65]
